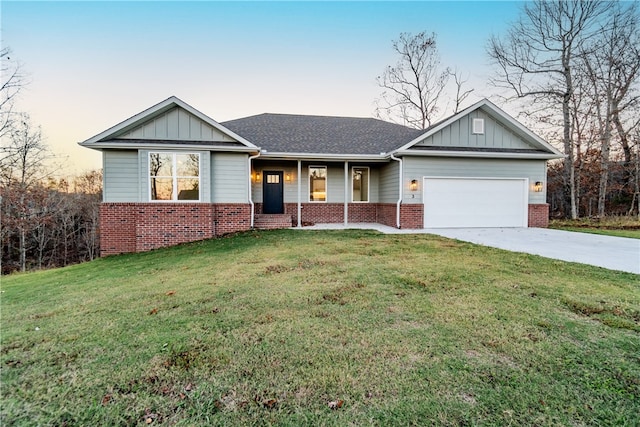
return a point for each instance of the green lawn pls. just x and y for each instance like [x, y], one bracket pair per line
[275, 328]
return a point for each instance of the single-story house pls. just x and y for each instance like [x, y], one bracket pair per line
[173, 174]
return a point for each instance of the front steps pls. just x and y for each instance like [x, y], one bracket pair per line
[271, 222]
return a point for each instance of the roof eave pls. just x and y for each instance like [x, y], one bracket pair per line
[321, 156]
[476, 154]
[164, 146]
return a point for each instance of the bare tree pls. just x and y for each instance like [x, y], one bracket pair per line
[536, 60]
[461, 93]
[413, 87]
[12, 80]
[23, 154]
[612, 68]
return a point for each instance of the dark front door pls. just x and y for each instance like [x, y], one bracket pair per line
[272, 191]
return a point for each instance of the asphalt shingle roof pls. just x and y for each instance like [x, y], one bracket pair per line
[285, 133]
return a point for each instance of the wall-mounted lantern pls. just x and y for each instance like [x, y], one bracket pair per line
[287, 177]
[256, 176]
[537, 187]
[414, 185]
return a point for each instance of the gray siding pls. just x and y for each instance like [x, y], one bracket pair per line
[419, 167]
[458, 134]
[229, 178]
[177, 124]
[388, 183]
[120, 176]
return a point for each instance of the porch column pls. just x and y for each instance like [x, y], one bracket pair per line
[299, 193]
[346, 192]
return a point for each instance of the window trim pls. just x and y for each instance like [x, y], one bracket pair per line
[353, 168]
[174, 177]
[326, 184]
[477, 127]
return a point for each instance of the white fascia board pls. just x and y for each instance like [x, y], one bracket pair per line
[513, 123]
[480, 154]
[158, 109]
[151, 145]
[323, 156]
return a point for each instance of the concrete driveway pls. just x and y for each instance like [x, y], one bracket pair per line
[614, 253]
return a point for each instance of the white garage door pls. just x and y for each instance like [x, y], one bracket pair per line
[475, 202]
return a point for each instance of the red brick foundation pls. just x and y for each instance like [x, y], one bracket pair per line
[139, 227]
[411, 216]
[539, 215]
[386, 214]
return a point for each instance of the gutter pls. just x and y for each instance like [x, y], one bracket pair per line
[477, 154]
[399, 188]
[251, 201]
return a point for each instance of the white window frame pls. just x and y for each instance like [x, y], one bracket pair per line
[477, 127]
[353, 169]
[326, 184]
[174, 195]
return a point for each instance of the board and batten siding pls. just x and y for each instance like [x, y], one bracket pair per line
[419, 167]
[229, 177]
[121, 182]
[459, 134]
[177, 124]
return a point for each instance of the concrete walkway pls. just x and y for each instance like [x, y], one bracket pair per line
[614, 253]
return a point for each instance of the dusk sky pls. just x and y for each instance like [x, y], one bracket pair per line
[94, 64]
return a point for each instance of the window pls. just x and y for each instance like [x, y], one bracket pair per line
[317, 183]
[174, 176]
[478, 126]
[360, 184]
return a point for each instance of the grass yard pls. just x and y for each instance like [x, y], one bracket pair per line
[619, 226]
[321, 328]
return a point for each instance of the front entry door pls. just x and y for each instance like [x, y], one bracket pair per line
[272, 191]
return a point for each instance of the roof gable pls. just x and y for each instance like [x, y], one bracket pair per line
[171, 120]
[502, 133]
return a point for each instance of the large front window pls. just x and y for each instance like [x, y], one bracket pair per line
[317, 183]
[360, 184]
[174, 176]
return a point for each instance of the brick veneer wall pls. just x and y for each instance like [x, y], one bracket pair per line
[386, 214]
[411, 215]
[117, 228]
[138, 227]
[539, 215]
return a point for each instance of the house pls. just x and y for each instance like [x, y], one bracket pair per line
[172, 174]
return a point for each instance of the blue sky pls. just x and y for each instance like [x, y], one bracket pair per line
[94, 64]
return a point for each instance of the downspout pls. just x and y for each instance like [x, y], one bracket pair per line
[400, 188]
[250, 183]
[299, 193]
[346, 193]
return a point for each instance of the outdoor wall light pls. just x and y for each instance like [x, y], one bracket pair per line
[287, 177]
[414, 185]
[256, 176]
[537, 187]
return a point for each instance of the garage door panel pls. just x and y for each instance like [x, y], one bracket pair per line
[475, 202]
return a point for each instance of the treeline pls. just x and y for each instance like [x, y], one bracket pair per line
[51, 223]
[622, 184]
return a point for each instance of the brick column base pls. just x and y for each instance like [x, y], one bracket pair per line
[539, 215]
